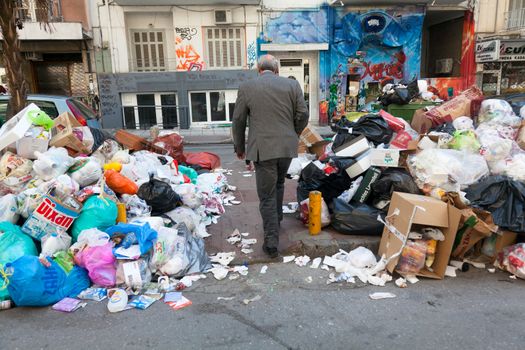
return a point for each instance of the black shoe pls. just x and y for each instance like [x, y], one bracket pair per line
[272, 252]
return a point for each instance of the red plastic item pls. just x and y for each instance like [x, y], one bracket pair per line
[205, 160]
[393, 122]
[401, 140]
[186, 179]
[172, 143]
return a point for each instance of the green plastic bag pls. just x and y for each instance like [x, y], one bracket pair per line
[189, 172]
[40, 118]
[465, 140]
[97, 212]
[13, 245]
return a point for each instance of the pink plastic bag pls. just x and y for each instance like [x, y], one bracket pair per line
[100, 263]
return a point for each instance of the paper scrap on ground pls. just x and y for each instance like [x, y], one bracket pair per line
[241, 269]
[68, 305]
[513, 277]
[247, 175]
[451, 271]
[289, 258]
[225, 298]
[302, 260]
[245, 234]
[247, 251]
[290, 208]
[401, 282]
[382, 295]
[255, 298]
[264, 269]
[456, 263]
[183, 302]
[219, 272]
[412, 279]
[234, 277]
[476, 264]
[172, 297]
[235, 237]
[315, 263]
[223, 258]
[325, 267]
[309, 279]
[491, 270]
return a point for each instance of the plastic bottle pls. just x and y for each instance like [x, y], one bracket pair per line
[118, 301]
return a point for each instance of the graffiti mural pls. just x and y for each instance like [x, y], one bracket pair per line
[188, 59]
[295, 27]
[252, 55]
[185, 33]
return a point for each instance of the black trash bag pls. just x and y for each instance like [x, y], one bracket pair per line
[392, 180]
[342, 137]
[504, 198]
[412, 88]
[445, 128]
[400, 96]
[99, 136]
[159, 195]
[372, 126]
[313, 179]
[356, 218]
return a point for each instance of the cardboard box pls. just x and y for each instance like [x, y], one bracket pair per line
[407, 210]
[15, 128]
[62, 135]
[475, 225]
[503, 240]
[27, 146]
[310, 136]
[137, 143]
[365, 188]
[302, 148]
[353, 148]
[362, 163]
[384, 157]
[420, 122]
[319, 148]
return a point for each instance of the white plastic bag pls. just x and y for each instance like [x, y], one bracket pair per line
[190, 195]
[55, 161]
[93, 237]
[106, 151]
[28, 200]
[212, 183]
[86, 171]
[499, 111]
[463, 123]
[163, 251]
[9, 209]
[12, 165]
[362, 257]
[185, 215]
[155, 222]
[121, 157]
[325, 214]
[135, 207]
[54, 242]
[65, 186]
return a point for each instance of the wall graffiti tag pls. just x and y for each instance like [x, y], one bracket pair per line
[186, 33]
[381, 70]
[252, 55]
[188, 59]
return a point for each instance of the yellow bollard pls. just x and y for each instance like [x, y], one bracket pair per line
[121, 213]
[314, 212]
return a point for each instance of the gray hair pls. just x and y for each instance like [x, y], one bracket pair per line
[268, 62]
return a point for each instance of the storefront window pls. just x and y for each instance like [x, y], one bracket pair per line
[513, 77]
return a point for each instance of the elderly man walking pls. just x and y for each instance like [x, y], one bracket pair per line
[277, 114]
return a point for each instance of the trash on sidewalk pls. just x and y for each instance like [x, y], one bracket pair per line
[381, 295]
[68, 305]
[255, 298]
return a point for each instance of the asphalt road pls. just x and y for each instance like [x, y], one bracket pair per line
[476, 310]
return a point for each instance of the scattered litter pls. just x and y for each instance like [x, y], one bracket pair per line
[289, 258]
[219, 272]
[457, 264]
[309, 279]
[255, 298]
[491, 270]
[223, 258]
[290, 208]
[68, 305]
[142, 302]
[96, 294]
[241, 270]
[247, 175]
[302, 260]
[225, 298]
[235, 202]
[245, 234]
[247, 251]
[234, 277]
[381, 295]
[476, 264]
[234, 238]
[264, 269]
[315, 263]
[325, 267]
[172, 297]
[182, 303]
[451, 271]
[412, 279]
[513, 277]
[401, 282]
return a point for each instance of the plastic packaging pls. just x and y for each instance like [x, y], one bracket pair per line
[112, 166]
[499, 111]
[190, 195]
[463, 123]
[64, 186]
[55, 242]
[373, 127]
[9, 208]
[33, 284]
[28, 200]
[159, 195]
[173, 143]
[362, 257]
[135, 207]
[512, 259]
[189, 172]
[392, 180]
[13, 245]
[212, 183]
[413, 257]
[12, 165]
[325, 214]
[465, 140]
[118, 300]
[106, 151]
[100, 263]
[205, 160]
[121, 157]
[86, 171]
[119, 183]
[185, 215]
[40, 118]
[93, 237]
[53, 162]
[129, 234]
[98, 212]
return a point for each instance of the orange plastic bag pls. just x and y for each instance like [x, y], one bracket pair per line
[119, 183]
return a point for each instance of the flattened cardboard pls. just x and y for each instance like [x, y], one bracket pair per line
[420, 122]
[483, 228]
[384, 157]
[353, 148]
[414, 209]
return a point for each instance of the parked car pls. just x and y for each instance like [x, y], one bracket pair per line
[56, 105]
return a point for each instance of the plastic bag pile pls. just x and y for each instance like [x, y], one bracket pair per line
[108, 218]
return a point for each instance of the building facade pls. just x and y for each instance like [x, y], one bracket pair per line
[58, 56]
[178, 63]
[500, 46]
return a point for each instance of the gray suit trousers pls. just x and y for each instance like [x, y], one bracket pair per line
[270, 175]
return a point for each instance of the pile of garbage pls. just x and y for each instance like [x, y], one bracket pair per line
[81, 215]
[381, 175]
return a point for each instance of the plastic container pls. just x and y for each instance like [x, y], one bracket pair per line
[118, 301]
[407, 111]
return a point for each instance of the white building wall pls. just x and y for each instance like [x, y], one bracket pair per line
[291, 4]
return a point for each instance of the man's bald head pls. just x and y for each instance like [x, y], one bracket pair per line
[268, 62]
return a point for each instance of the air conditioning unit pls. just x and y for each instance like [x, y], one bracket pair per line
[223, 16]
[444, 66]
[33, 56]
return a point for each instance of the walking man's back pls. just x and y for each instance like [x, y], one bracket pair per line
[277, 115]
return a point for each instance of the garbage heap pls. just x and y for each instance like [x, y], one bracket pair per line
[78, 209]
[449, 184]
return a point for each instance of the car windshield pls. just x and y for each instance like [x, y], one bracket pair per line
[85, 110]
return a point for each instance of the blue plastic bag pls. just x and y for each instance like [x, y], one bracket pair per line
[97, 212]
[33, 284]
[13, 245]
[143, 235]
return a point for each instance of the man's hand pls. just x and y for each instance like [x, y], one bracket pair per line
[250, 166]
[241, 155]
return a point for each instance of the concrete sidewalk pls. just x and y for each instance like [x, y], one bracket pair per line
[294, 237]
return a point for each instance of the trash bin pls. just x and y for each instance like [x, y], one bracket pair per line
[407, 111]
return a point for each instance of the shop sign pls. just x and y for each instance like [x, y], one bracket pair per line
[487, 51]
[512, 50]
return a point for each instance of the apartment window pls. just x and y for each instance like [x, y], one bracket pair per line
[148, 50]
[224, 47]
[516, 14]
[143, 110]
[212, 106]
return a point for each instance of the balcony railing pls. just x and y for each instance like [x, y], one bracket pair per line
[515, 19]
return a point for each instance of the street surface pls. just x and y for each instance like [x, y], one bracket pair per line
[476, 310]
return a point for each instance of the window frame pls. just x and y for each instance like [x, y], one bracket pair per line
[208, 106]
[228, 47]
[132, 49]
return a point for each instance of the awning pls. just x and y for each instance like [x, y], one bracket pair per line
[295, 47]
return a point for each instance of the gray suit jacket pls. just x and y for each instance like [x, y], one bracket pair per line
[277, 115]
